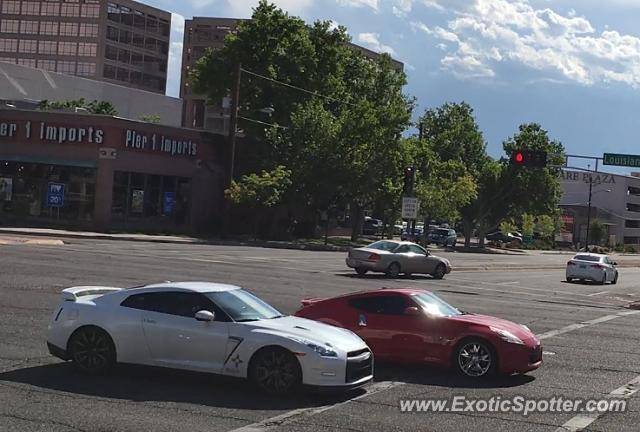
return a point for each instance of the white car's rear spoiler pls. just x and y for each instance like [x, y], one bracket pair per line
[72, 294]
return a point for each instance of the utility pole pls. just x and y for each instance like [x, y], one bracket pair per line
[233, 126]
[586, 246]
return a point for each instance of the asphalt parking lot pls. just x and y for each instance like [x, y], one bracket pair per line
[590, 340]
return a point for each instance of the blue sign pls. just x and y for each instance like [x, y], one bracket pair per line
[55, 195]
[168, 202]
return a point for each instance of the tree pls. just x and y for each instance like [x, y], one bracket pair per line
[528, 224]
[455, 135]
[258, 191]
[546, 226]
[94, 107]
[151, 118]
[343, 113]
[597, 233]
[508, 226]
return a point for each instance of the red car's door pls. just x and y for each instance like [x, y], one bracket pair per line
[383, 324]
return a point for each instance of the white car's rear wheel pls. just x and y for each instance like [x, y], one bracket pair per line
[91, 350]
[275, 370]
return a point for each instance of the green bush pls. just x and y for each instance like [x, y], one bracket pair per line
[630, 249]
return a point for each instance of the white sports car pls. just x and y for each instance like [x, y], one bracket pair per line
[204, 327]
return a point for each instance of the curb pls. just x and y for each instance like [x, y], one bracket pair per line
[188, 240]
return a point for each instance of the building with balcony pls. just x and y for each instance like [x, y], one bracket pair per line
[119, 41]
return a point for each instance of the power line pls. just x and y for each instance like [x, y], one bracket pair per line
[262, 123]
[291, 86]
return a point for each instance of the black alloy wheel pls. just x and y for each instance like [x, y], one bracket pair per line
[275, 371]
[92, 350]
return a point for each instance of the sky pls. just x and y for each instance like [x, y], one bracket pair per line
[571, 65]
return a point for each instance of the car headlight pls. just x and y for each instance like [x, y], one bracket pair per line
[322, 351]
[507, 336]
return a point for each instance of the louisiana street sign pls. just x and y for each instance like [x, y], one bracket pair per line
[621, 160]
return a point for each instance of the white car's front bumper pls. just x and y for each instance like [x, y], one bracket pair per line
[334, 372]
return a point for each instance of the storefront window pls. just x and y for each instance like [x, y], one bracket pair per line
[157, 200]
[26, 193]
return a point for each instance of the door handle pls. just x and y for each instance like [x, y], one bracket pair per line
[149, 321]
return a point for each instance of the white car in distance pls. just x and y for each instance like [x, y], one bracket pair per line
[593, 267]
[204, 327]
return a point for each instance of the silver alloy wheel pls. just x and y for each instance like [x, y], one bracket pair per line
[474, 359]
[393, 271]
[440, 271]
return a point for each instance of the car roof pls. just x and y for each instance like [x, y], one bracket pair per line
[406, 291]
[591, 254]
[201, 287]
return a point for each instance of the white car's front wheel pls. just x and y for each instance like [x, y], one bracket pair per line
[275, 370]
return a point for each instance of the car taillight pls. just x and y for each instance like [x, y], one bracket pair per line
[374, 257]
[571, 263]
[599, 266]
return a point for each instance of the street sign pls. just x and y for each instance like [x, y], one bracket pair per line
[410, 208]
[55, 195]
[168, 202]
[621, 160]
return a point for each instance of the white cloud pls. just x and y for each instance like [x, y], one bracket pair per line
[244, 8]
[373, 4]
[372, 41]
[486, 33]
[401, 8]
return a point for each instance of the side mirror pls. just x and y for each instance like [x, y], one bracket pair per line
[205, 315]
[412, 311]
[615, 263]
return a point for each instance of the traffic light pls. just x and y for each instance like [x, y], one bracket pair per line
[529, 158]
[409, 176]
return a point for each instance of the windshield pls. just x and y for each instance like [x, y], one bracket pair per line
[434, 305]
[443, 232]
[383, 245]
[241, 305]
[587, 258]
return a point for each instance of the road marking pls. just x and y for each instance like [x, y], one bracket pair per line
[584, 324]
[297, 414]
[581, 421]
[598, 293]
[508, 283]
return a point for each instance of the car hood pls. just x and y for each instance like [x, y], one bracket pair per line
[313, 331]
[485, 320]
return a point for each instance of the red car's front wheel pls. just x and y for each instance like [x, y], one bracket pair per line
[475, 358]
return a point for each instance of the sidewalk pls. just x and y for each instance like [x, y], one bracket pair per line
[176, 239]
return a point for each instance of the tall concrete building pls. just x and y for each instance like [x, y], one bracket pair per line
[119, 41]
[201, 33]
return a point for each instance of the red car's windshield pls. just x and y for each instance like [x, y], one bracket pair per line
[434, 305]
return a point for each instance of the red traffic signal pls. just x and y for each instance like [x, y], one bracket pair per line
[529, 158]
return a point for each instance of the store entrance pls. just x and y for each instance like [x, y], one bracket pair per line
[37, 194]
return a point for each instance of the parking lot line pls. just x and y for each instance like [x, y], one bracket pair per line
[294, 415]
[598, 293]
[582, 421]
[584, 324]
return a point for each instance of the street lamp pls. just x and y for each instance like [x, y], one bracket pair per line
[586, 246]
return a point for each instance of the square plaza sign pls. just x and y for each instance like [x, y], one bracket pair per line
[621, 160]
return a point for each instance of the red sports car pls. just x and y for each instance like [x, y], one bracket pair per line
[416, 326]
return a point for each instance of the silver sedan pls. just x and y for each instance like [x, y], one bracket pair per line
[395, 257]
